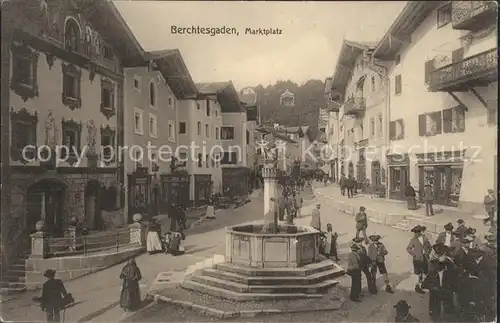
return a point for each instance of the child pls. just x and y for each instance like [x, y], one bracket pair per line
[331, 243]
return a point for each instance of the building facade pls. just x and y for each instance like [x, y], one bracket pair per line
[332, 131]
[361, 91]
[62, 86]
[442, 65]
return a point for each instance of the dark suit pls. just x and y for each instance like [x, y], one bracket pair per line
[441, 292]
[354, 270]
[441, 238]
[52, 300]
[461, 231]
[420, 253]
[365, 268]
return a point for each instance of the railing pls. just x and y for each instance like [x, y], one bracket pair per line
[354, 105]
[77, 244]
[476, 65]
[465, 14]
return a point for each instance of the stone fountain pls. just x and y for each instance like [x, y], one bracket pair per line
[266, 260]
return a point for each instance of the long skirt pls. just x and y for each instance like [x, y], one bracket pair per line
[153, 242]
[130, 296]
[411, 203]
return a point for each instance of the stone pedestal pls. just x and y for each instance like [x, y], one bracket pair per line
[39, 245]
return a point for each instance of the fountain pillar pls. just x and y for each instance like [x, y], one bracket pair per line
[269, 173]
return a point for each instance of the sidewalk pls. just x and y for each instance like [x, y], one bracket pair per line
[395, 213]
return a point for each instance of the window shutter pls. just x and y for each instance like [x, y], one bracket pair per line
[392, 130]
[429, 67]
[460, 111]
[447, 120]
[398, 84]
[439, 122]
[421, 125]
[457, 55]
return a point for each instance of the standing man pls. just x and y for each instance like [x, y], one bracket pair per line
[299, 201]
[54, 296]
[281, 208]
[342, 184]
[316, 218]
[377, 253]
[447, 236]
[354, 271]
[490, 204]
[364, 261]
[419, 248]
[350, 186]
[361, 223]
[428, 200]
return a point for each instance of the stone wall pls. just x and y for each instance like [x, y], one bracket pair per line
[69, 268]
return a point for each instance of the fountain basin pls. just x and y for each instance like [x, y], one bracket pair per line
[294, 246]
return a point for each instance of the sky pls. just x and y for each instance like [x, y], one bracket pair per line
[307, 48]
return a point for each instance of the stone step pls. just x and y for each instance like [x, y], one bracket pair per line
[272, 280]
[237, 296]
[12, 278]
[280, 289]
[13, 285]
[18, 267]
[278, 272]
[17, 273]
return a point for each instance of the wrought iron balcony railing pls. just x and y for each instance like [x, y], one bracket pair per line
[479, 69]
[473, 15]
[354, 105]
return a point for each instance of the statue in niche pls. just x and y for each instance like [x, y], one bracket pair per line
[91, 136]
[50, 130]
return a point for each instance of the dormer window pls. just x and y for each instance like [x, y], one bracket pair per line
[71, 35]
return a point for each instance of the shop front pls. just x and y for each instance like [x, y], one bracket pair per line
[202, 189]
[399, 166]
[175, 189]
[235, 180]
[443, 171]
[139, 195]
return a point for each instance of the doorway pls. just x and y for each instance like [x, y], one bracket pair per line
[93, 216]
[375, 175]
[45, 201]
[350, 170]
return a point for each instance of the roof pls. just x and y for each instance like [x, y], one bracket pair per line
[287, 93]
[399, 33]
[211, 88]
[349, 52]
[328, 85]
[227, 96]
[276, 134]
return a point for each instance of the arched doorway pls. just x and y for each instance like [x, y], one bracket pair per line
[45, 201]
[350, 169]
[376, 175]
[93, 217]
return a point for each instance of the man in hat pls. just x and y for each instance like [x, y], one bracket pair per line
[428, 200]
[403, 312]
[490, 245]
[377, 253]
[490, 204]
[471, 293]
[466, 266]
[362, 223]
[316, 218]
[365, 265]
[419, 248]
[354, 271]
[461, 230]
[447, 236]
[440, 283]
[54, 296]
[487, 273]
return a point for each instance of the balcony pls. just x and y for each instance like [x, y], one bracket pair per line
[477, 70]
[473, 15]
[355, 106]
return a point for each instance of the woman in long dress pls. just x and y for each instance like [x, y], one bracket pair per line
[130, 297]
[153, 241]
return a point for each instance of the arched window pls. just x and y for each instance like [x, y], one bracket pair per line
[71, 35]
[152, 94]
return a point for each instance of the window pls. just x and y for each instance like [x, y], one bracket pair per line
[200, 160]
[207, 161]
[444, 15]
[71, 35]
[217, 133]
[170, 102]
[152, 94]
[198, 106]
[171, 130]
[397, 59]
[398, 87]
[396, 129]
[138, 159]
[229, 158]
[107, 143]
[373, 88]
[372, 127]
[430, 124]
[107, 52]
[207, 131]
[208, 108]
[227, 133]
[248, 137]
[23, 133]
[454, 120]
[137, 82]
[71, 86]
[24, 71]
[107, 98]
[138, 121]
[216, 112]
[182, 127]
[153, 126]
[71, 132]
[379, 125]
[199, 128]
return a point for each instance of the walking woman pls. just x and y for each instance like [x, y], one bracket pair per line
[130, 297]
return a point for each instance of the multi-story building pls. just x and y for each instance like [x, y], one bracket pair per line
[442, 64]
[152, 90]
[331, 130]
[360, 89]
[302, 142]
[62, 85]
[253, 121]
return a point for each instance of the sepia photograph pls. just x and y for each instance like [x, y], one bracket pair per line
[248, 161]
